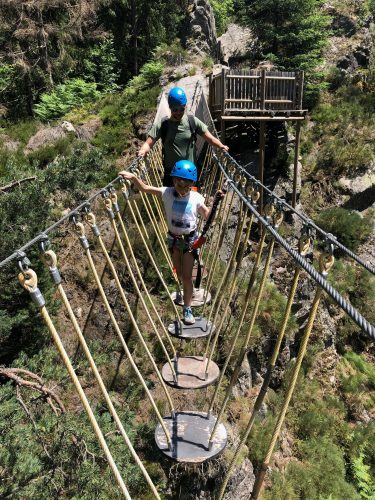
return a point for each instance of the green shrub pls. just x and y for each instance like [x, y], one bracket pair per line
[320, 475]
[151, 72]
[171, 54]
[100, 65]
[45, 155]
[365, 482]
[347, 225]
[341, 155]
[343, 128]
[65, 97]
[223, 10]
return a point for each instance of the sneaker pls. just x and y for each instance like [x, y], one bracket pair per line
[188, 316]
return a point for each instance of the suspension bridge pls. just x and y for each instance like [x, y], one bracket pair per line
[227, 296]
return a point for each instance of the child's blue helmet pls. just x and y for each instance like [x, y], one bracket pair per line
[177, 97]
[185, 169]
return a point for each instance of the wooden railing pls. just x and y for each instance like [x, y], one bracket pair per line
[252, 91]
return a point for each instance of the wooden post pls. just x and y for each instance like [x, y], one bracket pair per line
[262, 150]
[223, 96]
[223, 90]
[296, 156]
[210, 91]
[300, 89]
[263, 89]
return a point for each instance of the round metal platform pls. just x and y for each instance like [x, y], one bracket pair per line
[190, 432]
[198, 297]
[200, 329]
[190, 371]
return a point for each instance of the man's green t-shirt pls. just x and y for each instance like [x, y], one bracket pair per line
[179, 144]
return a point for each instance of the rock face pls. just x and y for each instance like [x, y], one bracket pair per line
[235, 44]
[242, 482]
[200, 31]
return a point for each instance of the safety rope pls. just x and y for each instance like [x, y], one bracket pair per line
[29, 281]
[111, 214]
[50, 259]
[231, 288]
[113, 208]
[222, 232]
[86, 247]
[326, 263]
[149, 251]
[277, 220]
[217, 304]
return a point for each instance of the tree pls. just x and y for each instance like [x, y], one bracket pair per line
[292, 34]
[223, 10]
[36, 39]
[138, 27]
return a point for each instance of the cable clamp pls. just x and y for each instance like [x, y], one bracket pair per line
[55, 275]
[44, 243]
[330, 243]
[75, 218]
[84, 242]
[22, 261]
[37, 297]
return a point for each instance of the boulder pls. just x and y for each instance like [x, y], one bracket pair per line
[360, 183]
[43, 137]
[241, 483]
[199, 33]
[235, 44]
[87, 130]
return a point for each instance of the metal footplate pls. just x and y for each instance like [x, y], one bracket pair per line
[192, 372]
[200, 329]
[190, 432]
[199, 297]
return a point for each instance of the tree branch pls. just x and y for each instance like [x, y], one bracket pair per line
[13, 184]
[38, 385]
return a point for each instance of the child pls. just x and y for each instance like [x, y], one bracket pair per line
[182, 205]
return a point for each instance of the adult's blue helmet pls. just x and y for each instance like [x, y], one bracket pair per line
[177, 97]
[185, 169]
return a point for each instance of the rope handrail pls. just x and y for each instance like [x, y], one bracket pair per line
[327, 236]
[42, 235]
[281, 201]
[322, 282]
[307, 220]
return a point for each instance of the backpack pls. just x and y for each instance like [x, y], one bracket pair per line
[164, 129]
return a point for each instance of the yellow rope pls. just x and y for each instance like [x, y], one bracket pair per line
[326, 262]
[81, 231]
[152, 259]
[50, 259]
[231, 291]
[234, 341]
[90, 217]
[29, 281]
[109, 204]
[219, 293]
[222, 231]
[245, 344]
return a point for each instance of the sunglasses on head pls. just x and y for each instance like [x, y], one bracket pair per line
[178, 110]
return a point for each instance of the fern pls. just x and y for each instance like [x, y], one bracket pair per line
[364, 481]
[65, 97]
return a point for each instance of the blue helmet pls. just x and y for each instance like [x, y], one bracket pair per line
[185, 169]
[177, 97]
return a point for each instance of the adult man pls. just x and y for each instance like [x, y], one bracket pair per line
[178, 134]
